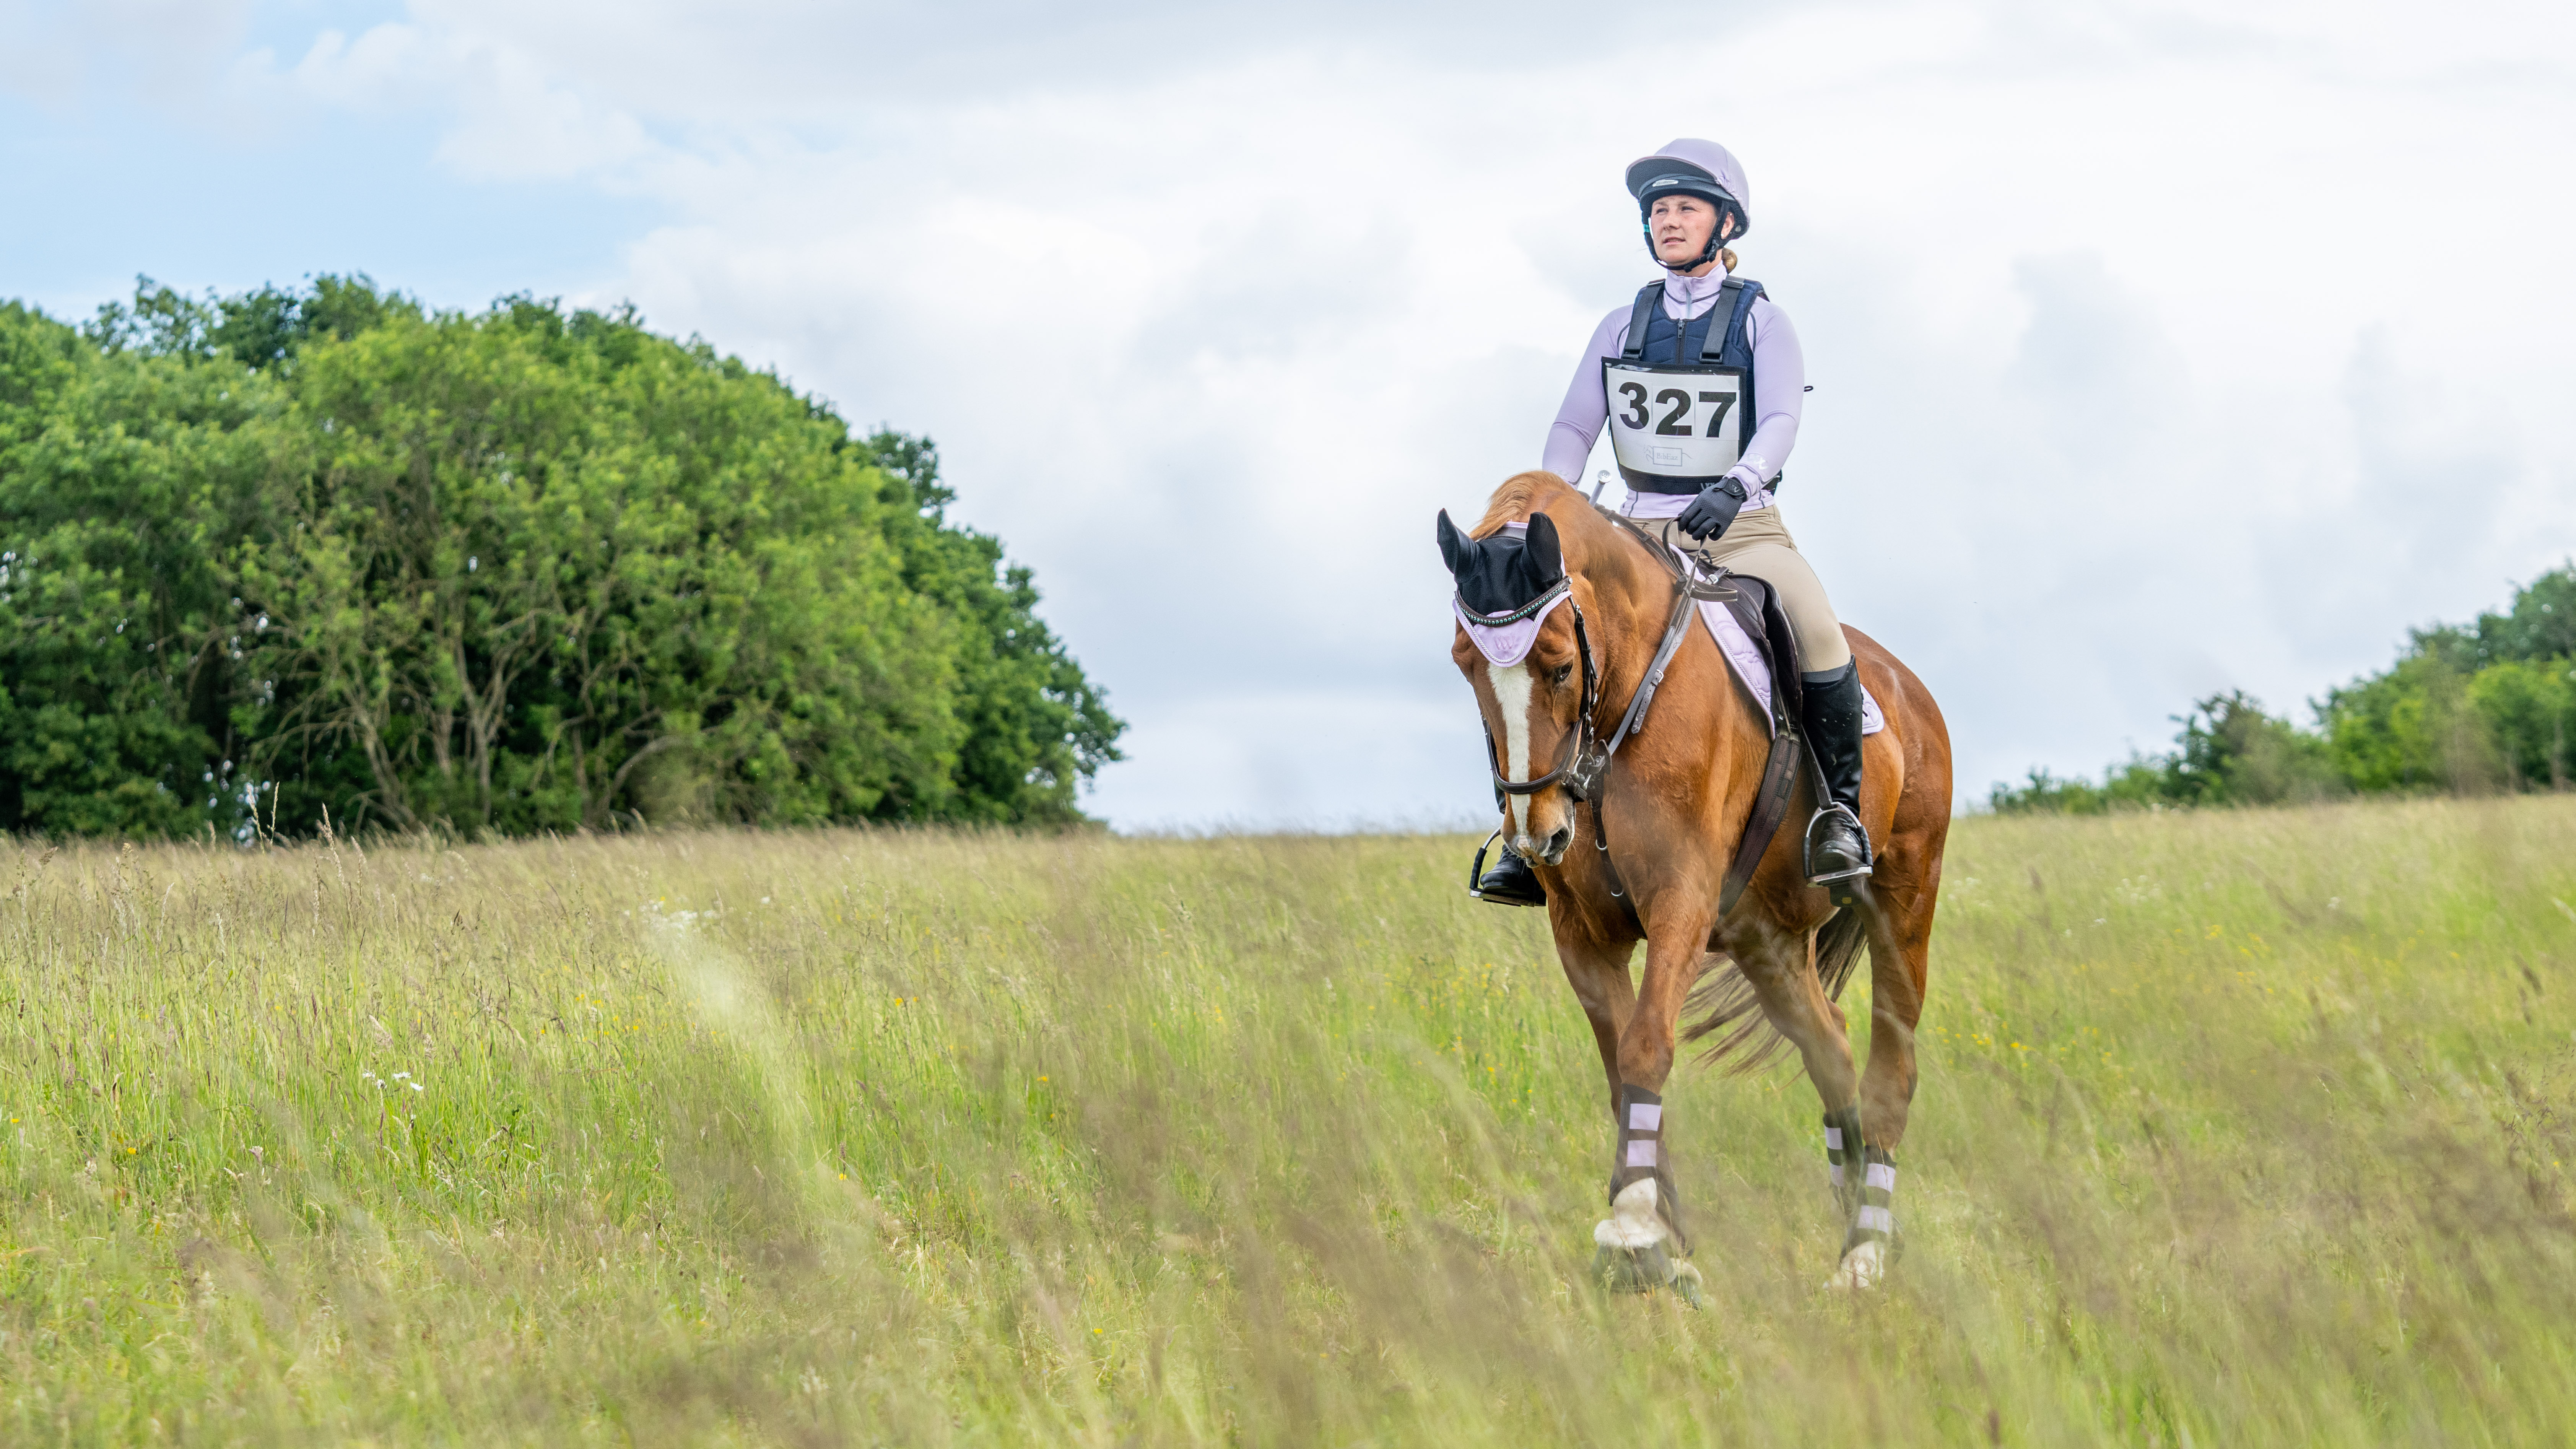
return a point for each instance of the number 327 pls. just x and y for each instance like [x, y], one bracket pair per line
[1675, 423]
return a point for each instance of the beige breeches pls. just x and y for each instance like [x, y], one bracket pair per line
[1758, 543]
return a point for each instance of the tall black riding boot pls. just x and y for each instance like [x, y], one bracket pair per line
[1511, 882]
[1837, 845]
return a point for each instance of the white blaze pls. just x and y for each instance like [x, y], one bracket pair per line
[1512, 694]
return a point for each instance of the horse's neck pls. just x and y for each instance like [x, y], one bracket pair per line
[1634, 609]
[1635, 598]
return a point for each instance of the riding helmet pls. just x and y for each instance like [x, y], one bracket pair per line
[1694, 168]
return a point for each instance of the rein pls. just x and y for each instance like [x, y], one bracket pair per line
[1586, 756]
[1585, 761]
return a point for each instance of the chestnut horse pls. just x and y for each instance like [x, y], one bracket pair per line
[1677, 795]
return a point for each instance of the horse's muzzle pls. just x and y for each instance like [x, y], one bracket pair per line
[1550, 850]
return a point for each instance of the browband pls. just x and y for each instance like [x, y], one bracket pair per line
[1534, 607]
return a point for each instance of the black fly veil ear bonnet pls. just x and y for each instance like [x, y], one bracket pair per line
[1507, 583]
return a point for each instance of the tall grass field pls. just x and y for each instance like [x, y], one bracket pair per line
[2234, 1128]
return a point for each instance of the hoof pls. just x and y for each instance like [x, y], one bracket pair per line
[1631, 1253]
[1686, 1285]
[1633, 1270]
[1863, 1268]
[1643, 1270]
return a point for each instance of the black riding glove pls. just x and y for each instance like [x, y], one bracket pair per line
[1714, 509]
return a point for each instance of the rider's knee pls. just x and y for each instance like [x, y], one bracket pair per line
[1821, 645]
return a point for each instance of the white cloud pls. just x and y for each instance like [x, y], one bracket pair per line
[155, 52]
[2159, 348]
[511, 119]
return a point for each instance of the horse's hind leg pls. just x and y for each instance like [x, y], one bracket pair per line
[1781, 967]
[1899, 958]
[1782, 970]
[1903, 893]
[1899, 918]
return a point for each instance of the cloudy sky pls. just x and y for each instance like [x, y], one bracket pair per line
[2159, 349]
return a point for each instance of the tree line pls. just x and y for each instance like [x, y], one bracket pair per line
[2474, 708]
[321, 552]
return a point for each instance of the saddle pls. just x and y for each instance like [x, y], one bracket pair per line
[1754, 607]
[1772, 679]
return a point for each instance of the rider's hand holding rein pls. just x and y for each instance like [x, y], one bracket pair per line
[1714, 508]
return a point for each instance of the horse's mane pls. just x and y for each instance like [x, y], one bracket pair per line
[1578, 524]
[1520, 494]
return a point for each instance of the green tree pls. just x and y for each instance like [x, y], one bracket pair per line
[2467, 708]
[2525, 709]
[129, 467]
[2397, 730]
[2229, 752]
[2232, 753]
[1035, 727]
[2048, 793]
[518, 570]
[2539, 624]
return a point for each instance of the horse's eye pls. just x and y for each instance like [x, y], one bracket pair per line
[1564, 672]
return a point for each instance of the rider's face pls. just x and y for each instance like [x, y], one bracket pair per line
[1680, 226]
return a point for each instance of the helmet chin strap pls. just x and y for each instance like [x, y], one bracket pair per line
[1707, 254]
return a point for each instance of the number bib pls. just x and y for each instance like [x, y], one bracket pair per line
[1675, 427]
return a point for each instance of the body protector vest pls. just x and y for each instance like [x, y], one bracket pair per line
[1681, 393]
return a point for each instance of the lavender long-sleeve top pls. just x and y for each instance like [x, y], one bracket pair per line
[1779, 390]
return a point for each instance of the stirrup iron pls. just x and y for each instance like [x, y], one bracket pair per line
[1868, 851]
[1476, 878]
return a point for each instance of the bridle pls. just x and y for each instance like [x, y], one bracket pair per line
[1576, 741]
[1586, 756]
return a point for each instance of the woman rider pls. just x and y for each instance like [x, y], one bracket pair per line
[1704, 378]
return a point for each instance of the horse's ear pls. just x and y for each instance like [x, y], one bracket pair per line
[1546, 556]
[1454, 546]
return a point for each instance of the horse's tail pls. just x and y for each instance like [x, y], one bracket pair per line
[1725, 998]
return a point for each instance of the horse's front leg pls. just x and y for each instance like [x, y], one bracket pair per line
[1598, 972]
[1644, 1230]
